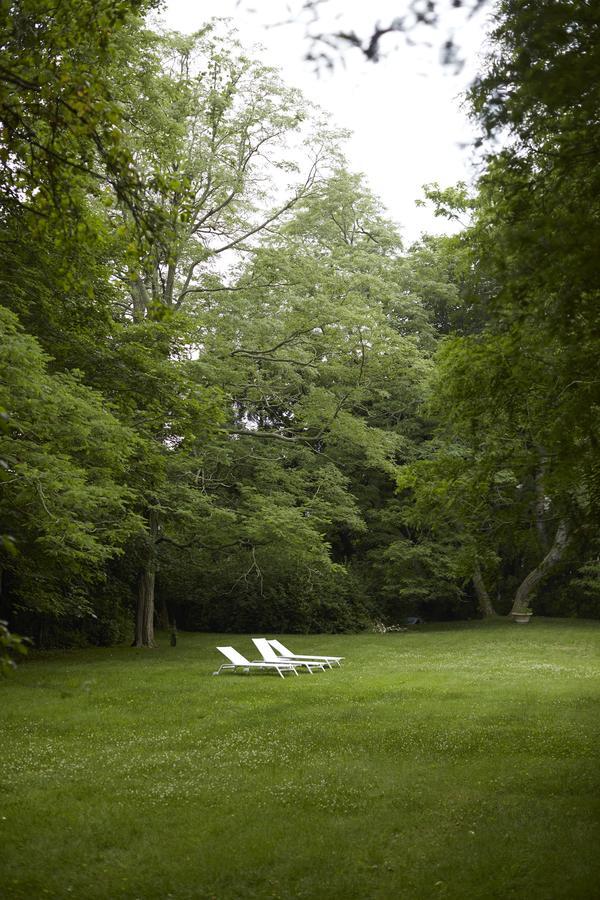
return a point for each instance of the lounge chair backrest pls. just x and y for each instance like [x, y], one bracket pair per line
[232, 655]
[280, 648]
[265, 649]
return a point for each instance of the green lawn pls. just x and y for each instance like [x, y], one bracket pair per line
[452, 761]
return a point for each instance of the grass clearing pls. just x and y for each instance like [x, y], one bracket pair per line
[455, 761]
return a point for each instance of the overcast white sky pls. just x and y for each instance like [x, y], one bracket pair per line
[404, 112]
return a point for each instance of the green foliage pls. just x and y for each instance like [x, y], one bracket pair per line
[323, 349]
[424, 574]
[249, 399]
[588, 578]
[63, 129]
[64, 497]
[514, 461]
[11, 646]
[240, 393]
[536, 224]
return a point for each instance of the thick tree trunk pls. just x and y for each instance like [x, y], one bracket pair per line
[483, 598]
[144, 619]
[530, 583]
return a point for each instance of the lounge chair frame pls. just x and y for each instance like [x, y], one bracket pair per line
[287, 655]
[237, 661]
[268, 654]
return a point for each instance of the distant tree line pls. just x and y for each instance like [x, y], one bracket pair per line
[230, 396]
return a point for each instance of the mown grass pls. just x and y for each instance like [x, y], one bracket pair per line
[455, 761]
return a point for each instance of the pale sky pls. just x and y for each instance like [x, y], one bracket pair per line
[404, 112]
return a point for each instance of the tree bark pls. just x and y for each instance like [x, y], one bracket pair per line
[141, 299]
[540, 501]
[144, 619]
[170, 285]
[529, 584]
[483, 598]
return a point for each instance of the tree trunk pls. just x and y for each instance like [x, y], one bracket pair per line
[530, 583]
[144, 619]
[483, 598]
[540, 501]
[170, 284]
[141, 299]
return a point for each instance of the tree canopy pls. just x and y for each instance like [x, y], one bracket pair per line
[231, 397]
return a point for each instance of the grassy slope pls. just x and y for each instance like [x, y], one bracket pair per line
[454, 762]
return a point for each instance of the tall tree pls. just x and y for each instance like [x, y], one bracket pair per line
[517, 454]
[209, 127]
[323, 349]
[537, 228]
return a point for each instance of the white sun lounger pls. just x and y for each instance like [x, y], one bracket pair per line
[295, 657]
[268, 654]
[237, 661]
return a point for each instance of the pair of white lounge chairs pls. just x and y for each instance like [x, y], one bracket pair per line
[275, 657]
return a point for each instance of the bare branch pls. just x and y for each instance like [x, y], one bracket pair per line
[290, 203]
[288, 340]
